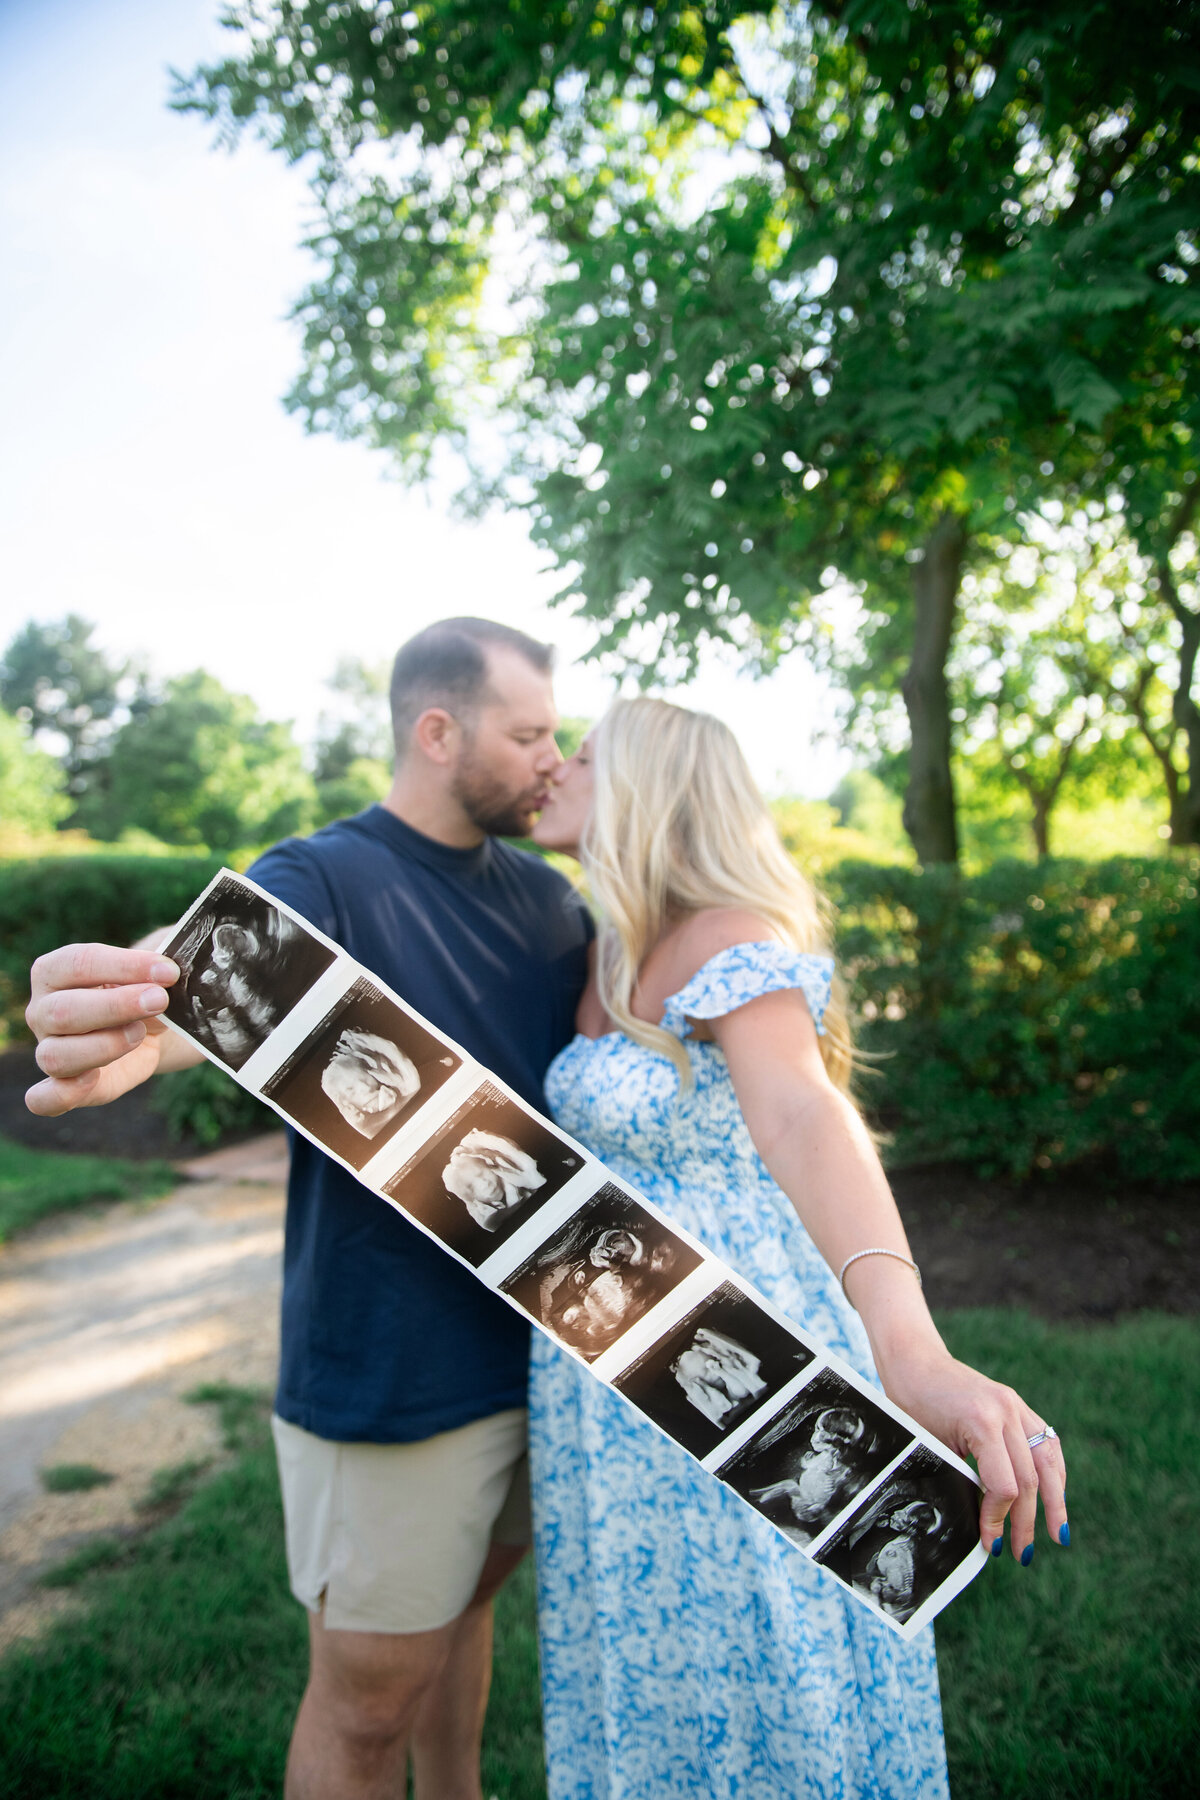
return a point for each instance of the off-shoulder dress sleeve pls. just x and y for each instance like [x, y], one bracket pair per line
[742, 973]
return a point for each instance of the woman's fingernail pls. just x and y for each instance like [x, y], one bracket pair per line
[1064, 1533]
[1027, 1556]
[164, 971]
[134, 1034]
[153, 1000]
[997, 1546]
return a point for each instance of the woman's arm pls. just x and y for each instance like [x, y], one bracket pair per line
[816, 1147]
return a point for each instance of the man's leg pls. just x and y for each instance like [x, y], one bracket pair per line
[384, 1540]
[448, 1729]
[365, 1689]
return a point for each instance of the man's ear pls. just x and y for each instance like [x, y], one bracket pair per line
[437, 735]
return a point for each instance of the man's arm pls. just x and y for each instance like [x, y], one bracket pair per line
[96, 1013]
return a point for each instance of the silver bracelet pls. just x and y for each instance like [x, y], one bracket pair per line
[877, 1250]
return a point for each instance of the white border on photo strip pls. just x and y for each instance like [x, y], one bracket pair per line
[537, 1230]
[527, 1239]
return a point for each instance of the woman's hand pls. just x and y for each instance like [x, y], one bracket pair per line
[816, 1147]
[979, 1417]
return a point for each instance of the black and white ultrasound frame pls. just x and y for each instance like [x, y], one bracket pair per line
[706, 1276]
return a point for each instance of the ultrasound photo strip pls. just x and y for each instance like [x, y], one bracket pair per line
[853, 1484]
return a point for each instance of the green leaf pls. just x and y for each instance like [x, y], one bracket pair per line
[1080, 390]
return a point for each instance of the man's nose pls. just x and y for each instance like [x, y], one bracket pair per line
[550, 760]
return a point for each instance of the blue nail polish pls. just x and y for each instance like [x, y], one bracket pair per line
[1027, 1556]
[1064, 1533]
[997, 1546]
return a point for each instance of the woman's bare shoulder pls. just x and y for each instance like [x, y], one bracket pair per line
[705, 934]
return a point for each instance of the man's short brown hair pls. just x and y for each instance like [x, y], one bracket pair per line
[447, 665]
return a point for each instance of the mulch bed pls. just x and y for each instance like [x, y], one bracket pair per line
[1077, 1246]
[129, 1127]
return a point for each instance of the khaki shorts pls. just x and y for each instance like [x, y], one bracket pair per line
[393, 1537]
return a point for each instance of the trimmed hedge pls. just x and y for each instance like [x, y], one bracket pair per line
[56, 900]
[1027, 1018]
[1031, 1017]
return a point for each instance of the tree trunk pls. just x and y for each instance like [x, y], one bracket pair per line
[929, 815]
[1185, 801]
[1163, 753]
[1185, 807]
[1045, 801]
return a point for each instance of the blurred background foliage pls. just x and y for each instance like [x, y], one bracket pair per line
[1024, 1020]
[847, 330]
[1029, 1017]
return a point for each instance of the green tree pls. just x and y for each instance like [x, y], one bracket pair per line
[71, 695]
[1044, 669]
[1144, 637]
[201, 767]
[864, 804]
[354, 751]
[762, 297]
[1177, 580]
[32, 782]
[571, 733]
[359, 784]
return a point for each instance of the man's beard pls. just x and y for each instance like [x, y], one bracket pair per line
[487, 803]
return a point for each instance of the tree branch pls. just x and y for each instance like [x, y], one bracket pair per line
[1161, 750]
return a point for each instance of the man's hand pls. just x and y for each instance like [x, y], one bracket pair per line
[96, 1012]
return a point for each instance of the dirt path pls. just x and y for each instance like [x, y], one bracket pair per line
[106, 1320]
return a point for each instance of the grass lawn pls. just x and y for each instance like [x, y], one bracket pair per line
[182, 1680]
[1078, 1676]
[1075, 1678]
[36, 1182]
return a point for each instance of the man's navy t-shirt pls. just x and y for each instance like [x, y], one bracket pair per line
[385, 1338]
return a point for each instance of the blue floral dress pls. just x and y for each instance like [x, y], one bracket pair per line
[686, 1648]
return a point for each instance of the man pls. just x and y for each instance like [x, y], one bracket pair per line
[399, 1417]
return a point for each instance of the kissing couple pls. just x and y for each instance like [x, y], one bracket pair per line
[694, 1035]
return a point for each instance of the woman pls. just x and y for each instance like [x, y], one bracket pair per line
[687, 1650]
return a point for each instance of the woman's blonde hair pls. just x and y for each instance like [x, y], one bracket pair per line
[679, 825]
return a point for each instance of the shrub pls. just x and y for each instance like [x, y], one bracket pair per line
[1025, 1018]
[74, 1478]
[1031, 1017]
[204, 1104]
[86, 899]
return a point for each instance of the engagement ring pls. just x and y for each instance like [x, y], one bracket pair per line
[1045, 1436]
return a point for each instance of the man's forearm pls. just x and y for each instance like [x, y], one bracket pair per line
[176, 1052]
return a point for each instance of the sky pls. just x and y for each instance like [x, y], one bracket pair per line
[150, 478]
